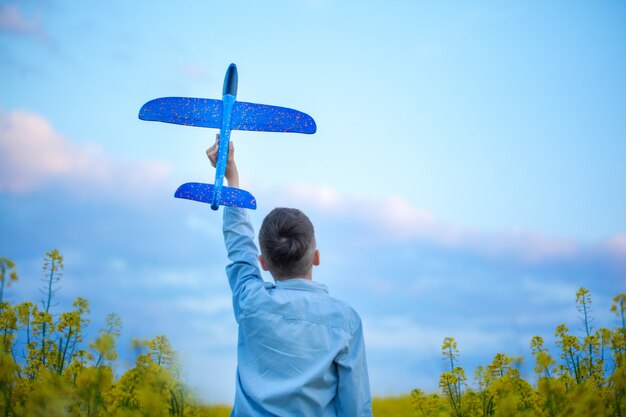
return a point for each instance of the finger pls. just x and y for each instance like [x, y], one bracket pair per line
[211, 152]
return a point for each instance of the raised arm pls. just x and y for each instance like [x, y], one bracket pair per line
[243, 272]
[231, 174]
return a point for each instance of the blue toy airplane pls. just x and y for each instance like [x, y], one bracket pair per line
[226, 114]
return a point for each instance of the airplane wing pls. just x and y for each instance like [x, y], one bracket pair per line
[261, 117]
[233, 197]
[205, 112]
[186, 111]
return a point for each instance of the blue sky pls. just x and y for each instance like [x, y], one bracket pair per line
[466, 178]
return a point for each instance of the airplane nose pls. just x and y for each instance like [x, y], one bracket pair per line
[230, 81]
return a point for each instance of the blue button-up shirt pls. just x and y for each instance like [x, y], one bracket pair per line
[300, 351]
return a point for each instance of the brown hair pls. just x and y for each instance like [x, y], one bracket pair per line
[287, 241]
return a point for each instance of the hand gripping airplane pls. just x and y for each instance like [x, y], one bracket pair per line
[226, 114]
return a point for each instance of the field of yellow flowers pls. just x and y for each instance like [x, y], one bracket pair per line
[47, 369]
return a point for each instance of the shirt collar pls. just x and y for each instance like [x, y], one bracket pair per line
[301, 284]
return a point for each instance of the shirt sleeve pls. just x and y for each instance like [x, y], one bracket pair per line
[353, 387]
[243, 271]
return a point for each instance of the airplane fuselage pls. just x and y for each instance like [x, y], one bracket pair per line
[229, 95]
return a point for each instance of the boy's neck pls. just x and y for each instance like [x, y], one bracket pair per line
[309, 277]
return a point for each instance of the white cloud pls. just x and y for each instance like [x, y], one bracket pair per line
[617, 245]
[398, 333]
[33, 155]
[403, 220]
[555, 294]
[13, 21]
[529, 246]
[193, 71]
[205, 305]
[394, 219]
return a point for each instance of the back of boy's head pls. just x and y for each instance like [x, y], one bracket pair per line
[287, 241]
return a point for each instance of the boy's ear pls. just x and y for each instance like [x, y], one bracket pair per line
[263, 264]
[316, 257]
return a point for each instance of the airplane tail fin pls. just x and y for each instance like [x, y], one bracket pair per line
[203, 193]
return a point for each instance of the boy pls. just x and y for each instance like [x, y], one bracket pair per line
[300, 352]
